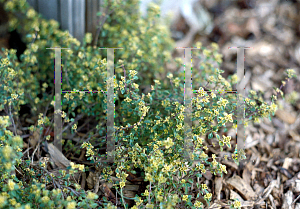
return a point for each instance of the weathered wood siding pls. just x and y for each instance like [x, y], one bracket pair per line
[76, 16]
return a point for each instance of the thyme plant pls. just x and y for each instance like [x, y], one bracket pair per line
[149, 125]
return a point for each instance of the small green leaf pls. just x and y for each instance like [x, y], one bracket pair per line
[198, 175]
[210, 136]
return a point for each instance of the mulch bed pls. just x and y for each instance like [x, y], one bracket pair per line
[270, 176]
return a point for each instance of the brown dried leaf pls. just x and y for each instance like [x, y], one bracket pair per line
[128, 193]
[287, 163]
[234, 195]
[34, 138]
[215, 206]
[58, 158]
[108, 193]
[252, 25]
[132, 177]
[218, 187]
[286, 116]
[247, 173]
[242, 187]
[91, 180]
[287, 200]
[131, 187]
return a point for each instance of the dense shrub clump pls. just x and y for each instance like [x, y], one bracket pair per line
[149, 125]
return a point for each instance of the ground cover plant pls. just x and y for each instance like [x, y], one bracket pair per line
[149, 123]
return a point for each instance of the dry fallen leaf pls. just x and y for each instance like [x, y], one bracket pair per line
[34, 138]
[286, 116]
[287, 200]
[91, 180]
[108, 193]
[58, 158]
[242, 187]
[218, 187]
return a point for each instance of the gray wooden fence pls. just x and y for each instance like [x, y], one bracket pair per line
[76, 16]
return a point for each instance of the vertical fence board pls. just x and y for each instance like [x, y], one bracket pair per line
[34, 4]
[79, 19]
[92, 7]
[76, 16]
[48, 8]
[66, 15]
